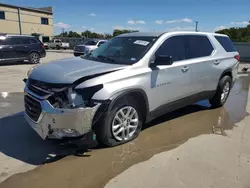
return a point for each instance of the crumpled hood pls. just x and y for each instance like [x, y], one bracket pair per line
[67, 71]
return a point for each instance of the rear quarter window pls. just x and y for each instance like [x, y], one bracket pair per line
[198, 46]
[226, 43]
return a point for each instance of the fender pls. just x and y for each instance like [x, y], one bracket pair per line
[122, 93]
[229, 70]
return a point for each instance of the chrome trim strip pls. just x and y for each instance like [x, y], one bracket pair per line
[26, 89]
[38, 88]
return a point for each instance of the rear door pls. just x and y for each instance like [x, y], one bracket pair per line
[200, 53]
[24, 47]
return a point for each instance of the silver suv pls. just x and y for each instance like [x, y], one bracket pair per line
[128, 81]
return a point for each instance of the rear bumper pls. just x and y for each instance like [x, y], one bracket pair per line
[43, 54]
[57, 123]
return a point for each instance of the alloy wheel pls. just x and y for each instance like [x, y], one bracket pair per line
[125, 123]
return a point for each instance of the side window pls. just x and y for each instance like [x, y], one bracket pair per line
[174, 47]
[14, 41]
[100, 43]
[226, 43]
[33, 41]
[25, 41]
[3, 41]
[198, 46]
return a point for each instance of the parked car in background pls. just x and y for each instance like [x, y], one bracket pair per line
[15, 48]
[46, 45]
[88, 46]
[57, 44]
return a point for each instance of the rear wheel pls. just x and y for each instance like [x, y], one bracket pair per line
[58, 47]
[34, 58]
[121, 124]
[222, 93]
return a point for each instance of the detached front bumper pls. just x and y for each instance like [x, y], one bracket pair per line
[57, 123]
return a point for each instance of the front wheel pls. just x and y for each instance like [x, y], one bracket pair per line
[58, 47]
[34, 58]
[222, 92]
[121, 124]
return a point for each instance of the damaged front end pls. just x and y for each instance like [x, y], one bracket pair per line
[58, 111]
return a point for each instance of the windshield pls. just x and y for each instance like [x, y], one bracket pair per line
[91, 43]
[122, 50]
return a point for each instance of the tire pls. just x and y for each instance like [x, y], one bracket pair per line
[104, 132]
[34, 58]
[222, 92]
[58, 47]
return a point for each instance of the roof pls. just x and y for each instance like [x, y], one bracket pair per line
[47, 10]
[145, 34]
[20, 36]
[157, 34]
[6, 35]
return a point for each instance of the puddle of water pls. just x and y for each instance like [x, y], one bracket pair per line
[98, 166]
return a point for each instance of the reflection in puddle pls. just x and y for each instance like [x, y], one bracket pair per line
[162, 134]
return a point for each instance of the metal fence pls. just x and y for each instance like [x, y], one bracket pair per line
[244, 50]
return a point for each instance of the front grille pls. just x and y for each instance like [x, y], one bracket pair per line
[32, 108]
[42, 88]
[80, 48]
[37, 90]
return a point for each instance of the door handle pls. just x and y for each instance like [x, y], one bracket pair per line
[185, 68]
[26, 46]
[216, 62]
[11, 47]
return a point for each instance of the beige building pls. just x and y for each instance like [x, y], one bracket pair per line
[27, 21]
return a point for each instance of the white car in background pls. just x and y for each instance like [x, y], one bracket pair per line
[88, 46]
[56, 44]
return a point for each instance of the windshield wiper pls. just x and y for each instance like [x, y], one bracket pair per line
[106, 58]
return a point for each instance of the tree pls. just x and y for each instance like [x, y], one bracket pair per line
[241, 34]
[73, 34]
[89, 34]
[107, 36]
[119, 31]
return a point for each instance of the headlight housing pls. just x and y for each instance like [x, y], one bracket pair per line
[86, 50]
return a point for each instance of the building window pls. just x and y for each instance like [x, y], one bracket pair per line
[45, 21]
[2, 15]
[45, 39]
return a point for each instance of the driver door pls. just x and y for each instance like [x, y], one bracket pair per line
[171, 84]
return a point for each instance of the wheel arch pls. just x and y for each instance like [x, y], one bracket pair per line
[227, 72]
[34, 51]
[138, 94]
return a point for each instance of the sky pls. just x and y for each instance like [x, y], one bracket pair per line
[102, 16]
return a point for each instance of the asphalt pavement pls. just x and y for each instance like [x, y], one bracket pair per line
[12, 74]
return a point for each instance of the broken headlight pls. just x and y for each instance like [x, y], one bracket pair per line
[88, 92]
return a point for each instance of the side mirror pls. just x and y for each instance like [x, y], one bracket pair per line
[162, 60]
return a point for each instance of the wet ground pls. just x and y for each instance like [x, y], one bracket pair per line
[63, 166]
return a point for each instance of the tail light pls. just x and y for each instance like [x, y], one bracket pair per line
[43, 46]
[237, 57]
